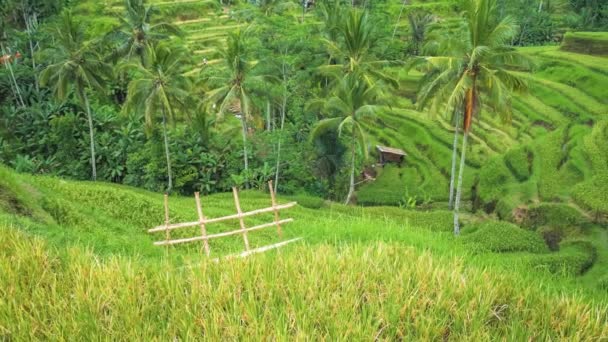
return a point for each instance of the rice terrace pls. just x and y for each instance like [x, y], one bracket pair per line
[278, 170]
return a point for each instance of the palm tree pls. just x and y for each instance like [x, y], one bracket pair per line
[354, 101]
[75, 64]
[268, 7]
[352, 47]
[232, 83]
[159, 88]
[136, 31]
[419, 22]
[475, 73]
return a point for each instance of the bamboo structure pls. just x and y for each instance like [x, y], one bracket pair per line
[220, 219]
[240, 215]
[237, 203]
[201, 218]
[274, 207]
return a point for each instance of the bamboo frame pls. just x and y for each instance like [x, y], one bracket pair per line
[201, 217]
[237, 203]
[219, 235]
[167, 233]
[274, 207]
[223, 218]
[240, 215]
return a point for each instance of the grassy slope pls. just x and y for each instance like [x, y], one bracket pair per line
[360, 273]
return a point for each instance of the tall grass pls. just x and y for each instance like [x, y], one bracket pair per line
[359, 292]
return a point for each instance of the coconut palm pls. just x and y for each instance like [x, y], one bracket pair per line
[352, 47]
[75, 64]
[419, 22]
[159, 88]
[353, 101]
[331, 13]
[475, 73]
[268, 7]
[232, 83]
[136, 31]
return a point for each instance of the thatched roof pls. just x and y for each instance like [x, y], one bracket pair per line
[391, 150]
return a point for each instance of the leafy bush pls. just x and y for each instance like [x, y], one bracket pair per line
[553, 214]
[552, 236]
[519, 161]
[500, 237]
[593, 195]
[574, 258]
[493, 178]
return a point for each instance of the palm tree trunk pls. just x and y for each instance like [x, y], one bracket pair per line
[268, 121]
[245, 157]
[351, 188]
[91, 134]
[167, 155]
[459, 190]
[283, 109]
[399, 18]
[29, 28]
[454, 158]
[14, 84]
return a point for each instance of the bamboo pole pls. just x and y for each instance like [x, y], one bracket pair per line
[235, 192]
[219, 219]
[219, 235]
[274, 207]
[201, 217]
[167, 233]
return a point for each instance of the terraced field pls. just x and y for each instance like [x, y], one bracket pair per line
[567, 93]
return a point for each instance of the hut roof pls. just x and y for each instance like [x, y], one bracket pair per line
[391, 150]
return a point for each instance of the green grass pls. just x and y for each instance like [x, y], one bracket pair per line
[355, 292]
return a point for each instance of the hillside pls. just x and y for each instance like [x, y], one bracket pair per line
[566, 88]
[107, 108]
[105, 265]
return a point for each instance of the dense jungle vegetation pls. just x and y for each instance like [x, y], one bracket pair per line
[499, 107]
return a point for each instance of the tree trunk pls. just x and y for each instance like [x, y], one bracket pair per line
[268, 120]
[17, 91]
[398, 19]
[459, 190]
[283, 109]
[167, 155]
[91, 133]
[454, 158]
[351, 188]
[245, 157]
[29, 29]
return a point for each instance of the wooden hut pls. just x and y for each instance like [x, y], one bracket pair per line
[390, 155]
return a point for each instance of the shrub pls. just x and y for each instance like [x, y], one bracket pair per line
[499, 236]
[519, 161]
[552, 237]
[493, 178]
[552, 214]
[574, 258]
